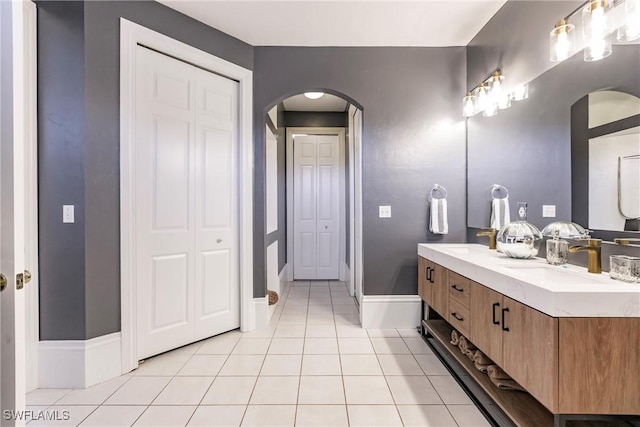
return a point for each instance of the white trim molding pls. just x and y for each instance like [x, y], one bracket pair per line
[261, 309]
[390, 311]
[81, 363]
[132, 35]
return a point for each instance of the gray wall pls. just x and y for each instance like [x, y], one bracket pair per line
[413, 137]
[78, 113]
[527, 148]
[314, 119]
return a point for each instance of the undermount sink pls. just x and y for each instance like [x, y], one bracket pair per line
[544, 274]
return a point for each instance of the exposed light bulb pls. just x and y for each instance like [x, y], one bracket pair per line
[482, 98]
[561, 41]
[314, 95]
[520, 92]
[505, 101]
[596, 30]
[491, 109]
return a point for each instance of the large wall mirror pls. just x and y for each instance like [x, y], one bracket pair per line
[605, 129]
[528, 147]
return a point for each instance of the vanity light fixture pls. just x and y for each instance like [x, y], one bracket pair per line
[489, 96]
[314, 95]
[596, 30]
[630, 29]
[469, 105]
[561, 41]
[520, 92]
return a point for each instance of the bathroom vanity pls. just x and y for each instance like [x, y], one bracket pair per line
[570, 338]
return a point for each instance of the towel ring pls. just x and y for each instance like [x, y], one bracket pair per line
[499, 188]
[438, 189]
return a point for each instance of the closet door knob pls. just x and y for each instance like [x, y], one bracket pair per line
[219, 240]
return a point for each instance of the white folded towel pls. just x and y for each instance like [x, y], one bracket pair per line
[500, 213]
[438, 221]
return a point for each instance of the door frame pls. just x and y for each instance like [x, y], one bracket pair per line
[340, 131]
[355, 203]
[132, 35]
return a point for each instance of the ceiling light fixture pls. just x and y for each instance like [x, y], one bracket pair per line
[314, 95]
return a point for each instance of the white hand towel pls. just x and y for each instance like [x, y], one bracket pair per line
[438, 221]
[500, 213]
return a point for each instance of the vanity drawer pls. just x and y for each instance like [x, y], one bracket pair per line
[459, 289]
[459, 317]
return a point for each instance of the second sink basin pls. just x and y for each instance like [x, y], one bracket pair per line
[544, 274]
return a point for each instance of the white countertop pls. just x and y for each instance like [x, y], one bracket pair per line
[558, 291]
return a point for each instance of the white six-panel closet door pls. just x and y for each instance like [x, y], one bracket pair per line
[316, 207]
[186, 211]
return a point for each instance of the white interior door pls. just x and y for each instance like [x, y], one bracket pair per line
[316, 207]
[186, 211]
[13, 128]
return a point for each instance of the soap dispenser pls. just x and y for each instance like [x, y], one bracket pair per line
[557, 249]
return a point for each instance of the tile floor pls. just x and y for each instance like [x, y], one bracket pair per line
[313, 366]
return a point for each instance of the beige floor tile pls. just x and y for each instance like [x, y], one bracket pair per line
[290, 331]
[360, 364]
[315, 310]
[399, 364]
[431, 365]
[324, 390]
[468, 416]
[320, 319]
[217, 346]
[413, 390]
[449, 390]
[286, 346]
[417, 345]
[203, 365]
[342, 300]
[217, 416]
[426, 416]
[261, 333]
[188, 349]
[365, 390]
[390, 346]
[138, 391]
[242, 365]
[46, 396]
[230, 391]
[320, 346]
[409, 333]
[275, 391]
[320, 331]
[269, 416]
[166, 364]
[160, 416]
[94, 395]
[325, 364]
[252, 346]
[119, 416]
[349, 309]
[293, 319]
[351, 331]
[373, 416]
[382, 333]
[322, 416]
[64, 415]
[295, 310]
[184, 391]
[293, 301]
[281, 365]
[347, 319]
[355, 346]
[319, 301]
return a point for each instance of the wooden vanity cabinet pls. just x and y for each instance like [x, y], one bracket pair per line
[530, 350]
[486, 329]
[433, 280]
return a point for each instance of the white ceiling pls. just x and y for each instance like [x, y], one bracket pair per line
[327, 103]
[344, 22]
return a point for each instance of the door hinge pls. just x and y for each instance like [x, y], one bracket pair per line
[3, 282]
[19, 281]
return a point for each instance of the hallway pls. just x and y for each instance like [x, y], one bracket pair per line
[313, 366]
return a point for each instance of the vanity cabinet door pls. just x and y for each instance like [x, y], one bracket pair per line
[486, 317]
[530, 350]
[424, 288]
[440, 290]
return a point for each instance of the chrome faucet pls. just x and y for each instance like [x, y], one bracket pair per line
[491, 234]
[594, 249]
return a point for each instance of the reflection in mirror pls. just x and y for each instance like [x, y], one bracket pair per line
[614, 161]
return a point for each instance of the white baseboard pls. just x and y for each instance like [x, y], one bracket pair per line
[261, 307]
[390, 311]
[79, 363]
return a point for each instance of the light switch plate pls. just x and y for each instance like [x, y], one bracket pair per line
[68, 214]
[384, 211]
[548, 211]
